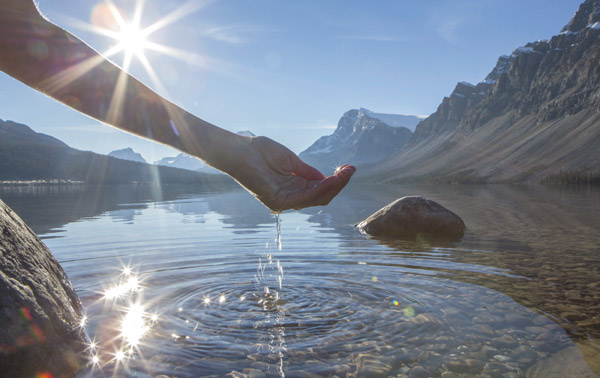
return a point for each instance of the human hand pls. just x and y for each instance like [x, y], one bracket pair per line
[281, 181]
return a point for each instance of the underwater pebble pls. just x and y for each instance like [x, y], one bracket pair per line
[501, 358]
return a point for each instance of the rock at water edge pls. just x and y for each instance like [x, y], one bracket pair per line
[413, 217]
[40, 314]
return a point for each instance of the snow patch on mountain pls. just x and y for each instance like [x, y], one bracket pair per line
[396, 120]
[361, 137]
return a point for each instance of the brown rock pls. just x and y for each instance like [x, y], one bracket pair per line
[413, 217]
[40, 313]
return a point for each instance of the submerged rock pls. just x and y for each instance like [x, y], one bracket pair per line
[40, 314]
[414, 217]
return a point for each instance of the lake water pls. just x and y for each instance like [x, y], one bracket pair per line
[187, 282]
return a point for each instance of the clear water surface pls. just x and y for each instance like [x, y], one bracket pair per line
[187, 282]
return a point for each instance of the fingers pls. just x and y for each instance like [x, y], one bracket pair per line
[306, 171]
[323, 192]
[340, 178]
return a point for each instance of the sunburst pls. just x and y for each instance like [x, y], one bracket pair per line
[130, 39]
[129, 36]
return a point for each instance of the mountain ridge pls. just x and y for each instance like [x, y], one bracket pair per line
[127, 154]
[28, 155]
[535, 115]
[358, 139]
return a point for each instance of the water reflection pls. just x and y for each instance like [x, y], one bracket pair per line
[539, 245]
[496, 303]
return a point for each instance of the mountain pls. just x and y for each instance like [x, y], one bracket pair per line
[128, 154]
[535, 116]
[395, 120]
[27, 155]
[358, 139]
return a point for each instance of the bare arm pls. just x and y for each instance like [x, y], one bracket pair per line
[53, 61]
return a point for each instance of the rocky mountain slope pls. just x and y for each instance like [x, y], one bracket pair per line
[27, 155]
[535, 115]
[359, 139]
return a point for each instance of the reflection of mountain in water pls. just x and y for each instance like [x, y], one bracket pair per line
[241, 211]
[47, 208]
[237, 209]
[125, 215]
[537, 244]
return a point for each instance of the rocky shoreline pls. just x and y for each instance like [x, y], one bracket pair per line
[41, 316]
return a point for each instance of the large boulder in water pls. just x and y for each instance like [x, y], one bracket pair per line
[40, 314]
[412, 218]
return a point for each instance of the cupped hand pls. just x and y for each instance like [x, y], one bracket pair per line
[281, 181]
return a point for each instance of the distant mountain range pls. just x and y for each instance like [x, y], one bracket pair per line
[535, 116]
[128, 154]
[27, 155]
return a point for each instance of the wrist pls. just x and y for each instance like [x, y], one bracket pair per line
[217, 147]
[229, 151]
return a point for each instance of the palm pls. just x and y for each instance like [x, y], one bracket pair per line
[280, 180]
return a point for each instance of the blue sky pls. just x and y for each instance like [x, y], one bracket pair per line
[290, 69]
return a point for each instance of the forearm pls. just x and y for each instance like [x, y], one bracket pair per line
[49, 59]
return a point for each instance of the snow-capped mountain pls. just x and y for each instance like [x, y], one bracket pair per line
[358, 139]
[396, 120]
[534, 117]
[128, 154]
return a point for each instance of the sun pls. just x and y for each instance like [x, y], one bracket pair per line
[131, 39]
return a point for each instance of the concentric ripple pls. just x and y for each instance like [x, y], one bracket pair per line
[341, 318]
[178, 293]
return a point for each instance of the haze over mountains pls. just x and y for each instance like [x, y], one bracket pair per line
[128, 154]
[536, 114]
[27, 155]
